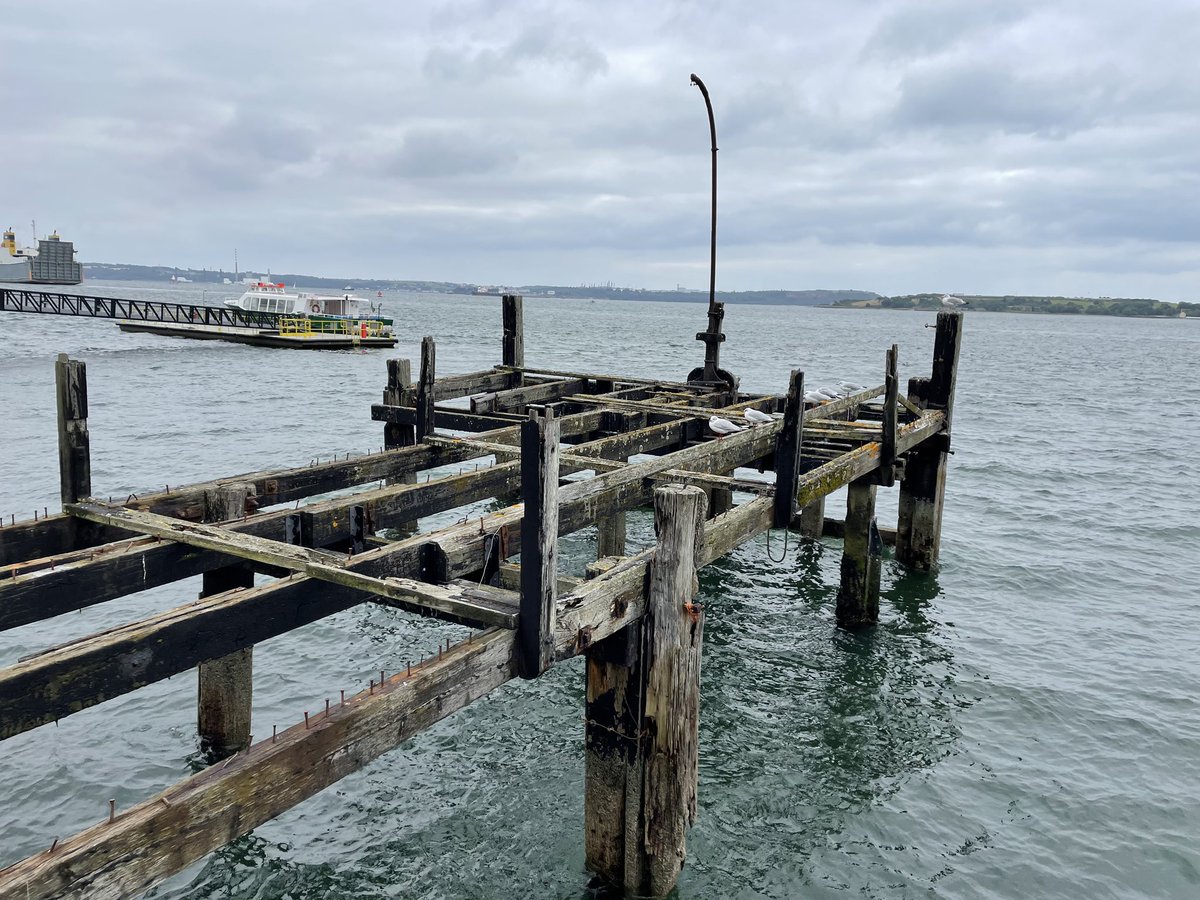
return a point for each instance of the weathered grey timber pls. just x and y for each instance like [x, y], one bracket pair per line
[812, 519]
[634, 617]
[858, 594]
[923, 490]
[513, 323]
[74, 447]
[787, 453]
[643, 715]
[539, 543]
[425, 400]
[225, 687]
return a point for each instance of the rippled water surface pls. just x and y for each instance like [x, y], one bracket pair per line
[1025, 723]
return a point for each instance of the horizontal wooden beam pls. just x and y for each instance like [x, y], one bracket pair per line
[449, 387]
[319, 564]
[516, 398]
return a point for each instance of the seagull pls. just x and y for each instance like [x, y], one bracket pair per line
[756, 416]
[851, 387]
[814, 397]
[953, 302]
[722, 427]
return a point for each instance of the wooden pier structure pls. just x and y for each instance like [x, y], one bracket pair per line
[646, 442]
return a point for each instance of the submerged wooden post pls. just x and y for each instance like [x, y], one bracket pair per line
[642, 731]
[226, 685]
[425, 421]
[858, 593]
[74, 444]
[539, 543]
[787, 451]
[922, 492]
[812, 519]
[513, 349]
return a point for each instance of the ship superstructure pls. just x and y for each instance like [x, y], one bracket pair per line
[53, 262]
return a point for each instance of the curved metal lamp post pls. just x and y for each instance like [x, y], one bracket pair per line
[713, 337]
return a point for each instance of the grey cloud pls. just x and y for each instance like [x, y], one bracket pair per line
[444, 153]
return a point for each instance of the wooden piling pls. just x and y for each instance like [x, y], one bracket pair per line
[513, 349]
[858, 593]
[74, 444]
[539, 543]
[922, 491]
[425, 397]
[787, 452]
[891, 407]
[812, 519]
[642, 732]
[226, 684]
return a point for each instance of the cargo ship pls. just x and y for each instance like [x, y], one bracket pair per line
[53, 262]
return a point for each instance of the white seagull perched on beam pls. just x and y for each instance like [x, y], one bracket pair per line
[722, 427]
[951, 302]
[756, 416]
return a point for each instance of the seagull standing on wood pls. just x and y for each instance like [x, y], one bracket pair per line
[756, 417]
[722, 427]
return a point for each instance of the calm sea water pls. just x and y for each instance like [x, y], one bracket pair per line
[1024, 723]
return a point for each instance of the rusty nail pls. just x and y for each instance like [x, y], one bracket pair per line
[381, 677]
[409, 662]
[112, 810]
[274, 732]
[327, 707]
[439, 651]
[343, 698]
[53, 845]
[45, 513]
[35, 518]
[371, 689]
[306, 718]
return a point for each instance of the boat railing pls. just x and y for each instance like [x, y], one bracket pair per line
[302, 326]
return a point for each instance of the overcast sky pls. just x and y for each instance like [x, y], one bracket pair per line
[989, 146]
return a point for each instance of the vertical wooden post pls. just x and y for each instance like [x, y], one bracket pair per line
[425, 421]
[858, 594]
[610, 535]
[74, 444]
[891, 409]
[539, 543]
[400, 392]
[513, 350]
[642, 732]
[226, 685]
[812, 519]
[787, 451]
[922, 492]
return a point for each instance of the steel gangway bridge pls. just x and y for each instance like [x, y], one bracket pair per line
[57, 304]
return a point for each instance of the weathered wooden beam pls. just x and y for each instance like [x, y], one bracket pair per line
[642, 731]
[515, 399]
[539, 544]
[923, 489]
[810, 522]
[452, 419]
[787, 451]
[166, 833]
[225, 686]
[451, 387]
[513, 342]
[837, 528]
[891, 396]
[425, 401]
[858, 592]
[708, 482]
[74, 448]
[300, 559]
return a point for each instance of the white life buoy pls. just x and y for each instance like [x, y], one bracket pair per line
[314, 307]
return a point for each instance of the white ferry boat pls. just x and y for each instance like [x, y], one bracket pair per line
[269, 297]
